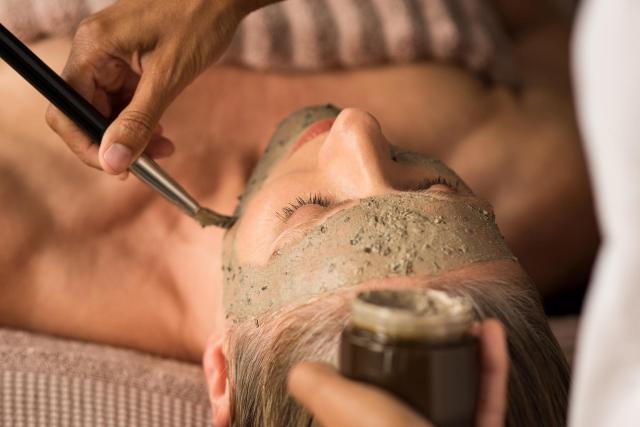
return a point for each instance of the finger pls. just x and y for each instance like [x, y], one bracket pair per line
[75, 139]
[78, 74]
[492, 399]
[130, 133]
[338, 402]
[160, 147]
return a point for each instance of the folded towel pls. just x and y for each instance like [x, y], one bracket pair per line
[47, 381]
[34, 19]
[313, 35]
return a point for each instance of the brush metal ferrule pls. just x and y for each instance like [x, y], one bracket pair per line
[151, 173]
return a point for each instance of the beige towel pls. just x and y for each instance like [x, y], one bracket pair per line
[52, 382]
[34, 19]
[312, 35]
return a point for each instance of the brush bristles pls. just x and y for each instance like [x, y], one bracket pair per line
[206, 217]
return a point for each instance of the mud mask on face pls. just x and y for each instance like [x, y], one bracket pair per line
[394, 235]
[280, 144]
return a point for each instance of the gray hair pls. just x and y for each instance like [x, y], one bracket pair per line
[261, 353]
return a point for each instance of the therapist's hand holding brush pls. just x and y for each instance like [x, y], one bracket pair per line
[131, 60]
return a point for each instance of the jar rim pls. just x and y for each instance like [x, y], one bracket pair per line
[413, 314]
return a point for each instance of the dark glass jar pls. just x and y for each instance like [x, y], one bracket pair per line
[417, 345]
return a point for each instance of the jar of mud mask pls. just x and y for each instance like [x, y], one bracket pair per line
[417, 345]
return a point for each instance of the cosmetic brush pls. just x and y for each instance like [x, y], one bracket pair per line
[86, 117]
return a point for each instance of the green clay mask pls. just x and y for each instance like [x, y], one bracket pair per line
[406, 234]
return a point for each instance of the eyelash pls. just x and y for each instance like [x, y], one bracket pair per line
[318, 199]
[312, 199]
[429, 182]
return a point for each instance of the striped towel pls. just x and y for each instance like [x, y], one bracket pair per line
[313, 35]
[54, 382]
[31, 20]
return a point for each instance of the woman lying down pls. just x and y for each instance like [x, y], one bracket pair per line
[334, 208]
[95, 259]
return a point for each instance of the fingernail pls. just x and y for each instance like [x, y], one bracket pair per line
[118, 157]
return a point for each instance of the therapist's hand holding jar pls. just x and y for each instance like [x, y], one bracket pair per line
[336, 401]
[131, 60]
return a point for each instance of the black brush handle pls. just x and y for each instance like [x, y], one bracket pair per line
[52, 86]
[94, 124]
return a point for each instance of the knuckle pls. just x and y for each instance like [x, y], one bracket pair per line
[138, 122]
[92, 28]
[92, 40]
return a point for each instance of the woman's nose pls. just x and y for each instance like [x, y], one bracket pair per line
[355, 155]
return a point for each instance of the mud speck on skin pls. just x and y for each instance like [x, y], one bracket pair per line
[409, 268]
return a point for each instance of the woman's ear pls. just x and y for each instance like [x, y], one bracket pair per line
[215, 368]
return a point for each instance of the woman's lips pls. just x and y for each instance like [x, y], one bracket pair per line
[311, 132]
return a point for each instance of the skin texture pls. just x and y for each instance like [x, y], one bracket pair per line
[82, 253]
[375, 228]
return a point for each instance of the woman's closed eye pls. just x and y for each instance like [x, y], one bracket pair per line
[438, 183]
[312, 199]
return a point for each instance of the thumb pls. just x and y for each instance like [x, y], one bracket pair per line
[130, 133]
[338, 402]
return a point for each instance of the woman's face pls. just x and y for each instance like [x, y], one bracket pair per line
[334, 204]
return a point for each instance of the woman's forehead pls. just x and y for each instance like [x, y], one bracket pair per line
[383, 236]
